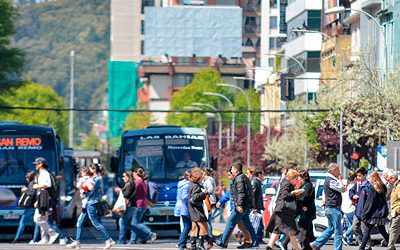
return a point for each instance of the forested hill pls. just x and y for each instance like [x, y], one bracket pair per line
[47, 32]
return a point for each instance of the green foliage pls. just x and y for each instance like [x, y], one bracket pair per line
[34, 95]
[241, 104]
[138, 120]
[11, 58]
[206, 80]
[92, 142]
[47, 32]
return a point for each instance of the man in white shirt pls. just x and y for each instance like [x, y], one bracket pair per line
[41, 213]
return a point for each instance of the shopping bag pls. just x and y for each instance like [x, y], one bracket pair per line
[120, 205]
[255, 219]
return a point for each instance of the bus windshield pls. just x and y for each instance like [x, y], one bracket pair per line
[164, 157]
[17, 152]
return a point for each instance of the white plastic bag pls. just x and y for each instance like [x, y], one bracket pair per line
[120, 205]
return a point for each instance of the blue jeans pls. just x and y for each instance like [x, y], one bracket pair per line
[349, 231]
[334, 216]
[140, 229]
[209, 224]
[95, 219]
[54, 227]
[187, 226]
[233, 220]
[79, 224]
[125, 223]
[26, 219]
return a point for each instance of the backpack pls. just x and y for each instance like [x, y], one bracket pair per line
[53, 190]
[28, 198]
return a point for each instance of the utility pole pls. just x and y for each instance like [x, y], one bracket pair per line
[71, 102]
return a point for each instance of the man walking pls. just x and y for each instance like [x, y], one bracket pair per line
[333, 189]
[394, 231]
[257, 176]
[243, 201]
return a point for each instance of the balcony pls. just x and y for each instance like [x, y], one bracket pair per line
[299, 6]
[305, 42]
[191, 68]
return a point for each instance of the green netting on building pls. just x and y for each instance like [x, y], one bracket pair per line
[123, 83]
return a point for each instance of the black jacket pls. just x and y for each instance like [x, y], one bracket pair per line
[128, 189]
[307, 199]
[375, 206]
[284, 195]
[242, 192]
[196, 198]
[257, 190]
[43, 201]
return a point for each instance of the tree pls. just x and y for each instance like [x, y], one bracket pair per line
[206, 80]
[34, 95]
[92, 142]
[241, 104]
[11, 58]
[138, 120]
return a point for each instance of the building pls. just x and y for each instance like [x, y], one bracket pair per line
[163, 75]
[303, 49]
[390, 10]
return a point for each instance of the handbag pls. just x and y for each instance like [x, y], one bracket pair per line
[26, 200]
[120, 205]
[102, 208]
[290, 208]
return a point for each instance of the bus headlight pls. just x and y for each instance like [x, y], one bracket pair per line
[151, 219]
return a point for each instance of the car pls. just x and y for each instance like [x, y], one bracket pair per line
[269, 192]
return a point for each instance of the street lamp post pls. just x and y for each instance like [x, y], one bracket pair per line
[219, 120]
[341, 108]
[233, 113]
[248, 116]
[71, 102]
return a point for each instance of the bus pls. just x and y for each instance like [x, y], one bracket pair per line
[165, 152]
[20, 144]
[74, 161]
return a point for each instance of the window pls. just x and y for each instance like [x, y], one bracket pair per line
[273, 22]
[142, 27]
[273, 4]
[142, 47]
[146, 3]
[314, 19]
[249, 42]
[272, 43]
[251, 20]
[313, 61]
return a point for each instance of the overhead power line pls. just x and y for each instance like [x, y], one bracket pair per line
[163, 111]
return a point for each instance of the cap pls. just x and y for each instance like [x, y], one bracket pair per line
[39, 160]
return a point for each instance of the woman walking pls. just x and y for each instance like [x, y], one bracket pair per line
[197, 195]
[375, 211]
[283, 219]
[306, 209]
[140, 195]
[93, 197]
[127, 190]
[182, 209]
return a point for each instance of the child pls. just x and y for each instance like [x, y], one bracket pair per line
[85, 184]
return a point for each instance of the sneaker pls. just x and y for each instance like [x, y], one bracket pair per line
[43, 242]
[313, 246]
[345, 242]
[244, 246]
[63, 241]
[153, 238]
[120, 243]
[109, 244]
[32, 242]
[220, 245]
[74, 245]
[53, 238]
[279, 244]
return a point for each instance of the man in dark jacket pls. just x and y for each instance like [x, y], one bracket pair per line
[242, 197]
[256, 182]
[358, 194]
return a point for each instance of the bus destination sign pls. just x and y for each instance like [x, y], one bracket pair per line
[21, 143]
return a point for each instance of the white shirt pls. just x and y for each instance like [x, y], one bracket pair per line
[347, 204]
[44, 178]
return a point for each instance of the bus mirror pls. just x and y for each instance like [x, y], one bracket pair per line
[114, 164]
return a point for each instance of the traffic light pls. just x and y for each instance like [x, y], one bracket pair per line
[287, 87]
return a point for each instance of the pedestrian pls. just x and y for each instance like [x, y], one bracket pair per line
[197, 195]
[306, 209]
[29, 210]
[219, 211]
[242, 233]
[333, 189]
[138, 227]
[43, 203]
[242, 197]
[94, 196]
[375, 210]
[358, 194]
[394, 230]
[348, 210]
[283, 219]
[209, 185]
[256, 177]
[127, 189]
[182, 209]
